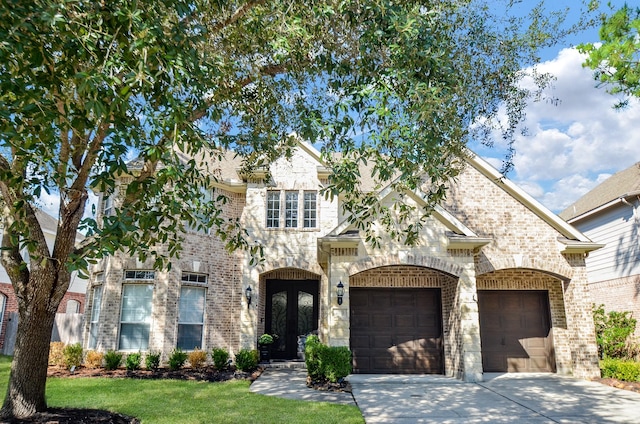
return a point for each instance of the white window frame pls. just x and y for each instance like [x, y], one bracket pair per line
[75, 304]
[187, 315]
[139, 274]
[310, 210]
[273, 209]
[107, 204]
[144, 323]
[194, 278]
[291, 209]
[94, 318]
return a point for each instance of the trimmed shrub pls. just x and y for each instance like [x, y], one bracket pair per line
[326, 363]
[220, 357]
[312, 356]
[247, 360]
[152, 361]
[335, 362]
[133, 361]
[177, 359]
[93, 359]
[620, 369]
[56, 354]
[72, 355]
[112, 360]
[612, 333]
[197, 358]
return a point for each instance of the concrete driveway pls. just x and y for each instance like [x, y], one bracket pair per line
[501, 398]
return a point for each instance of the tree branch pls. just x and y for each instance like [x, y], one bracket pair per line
[235, 16]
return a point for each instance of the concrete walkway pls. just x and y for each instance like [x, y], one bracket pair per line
[292, 384]
[501, 398]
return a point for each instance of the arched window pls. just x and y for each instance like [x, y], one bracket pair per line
[73, 306]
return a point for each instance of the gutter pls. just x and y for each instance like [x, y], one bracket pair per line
[621, 199]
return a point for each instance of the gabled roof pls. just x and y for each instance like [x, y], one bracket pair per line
[566, 230]
[619, 186]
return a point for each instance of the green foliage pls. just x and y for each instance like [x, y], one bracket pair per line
[152, 360]
[94, 359]
[220, 357]
[133, 361]
[177, 359]
[112, 360]
[197, 358]
[613, 330]
[56, 354]
[336, 362]
[247, 359]
[615, 60]
[265, 339]
[327, 362]
[72, 355]
[620, 369]
[312, 356]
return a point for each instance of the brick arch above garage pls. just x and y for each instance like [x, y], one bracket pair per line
[408, 276]
[555, 268]
[434, 263]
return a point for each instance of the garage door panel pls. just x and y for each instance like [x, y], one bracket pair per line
[405, 332]
[360, 321]
[516, 337]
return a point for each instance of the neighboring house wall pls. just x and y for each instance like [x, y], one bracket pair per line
[614, 270]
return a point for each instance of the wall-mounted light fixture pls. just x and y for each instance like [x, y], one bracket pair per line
[340, 292]
[247, 294]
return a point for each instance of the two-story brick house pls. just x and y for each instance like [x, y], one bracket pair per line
[496, 282]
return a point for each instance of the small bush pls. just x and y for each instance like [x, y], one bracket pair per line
[198, 358]
[56, 354]
[93, 359]
[335, 362]
[152, 361]
[620, 369]
[326, 363]
[613, 330]
[247, 360]
[72, 355]
[177, 359]
[133, 361]
[112, 360]
[312, 356]
[220, 358]
[265, 339]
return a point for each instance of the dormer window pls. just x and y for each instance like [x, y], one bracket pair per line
[293, 207]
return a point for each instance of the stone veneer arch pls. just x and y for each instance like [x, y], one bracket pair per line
[438, 264]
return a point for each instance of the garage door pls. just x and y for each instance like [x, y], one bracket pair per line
[515, 330]
[396, 331]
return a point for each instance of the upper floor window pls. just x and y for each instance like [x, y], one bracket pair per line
[137, 274]
[107, 206]
[310, 205]
[273, 209]
[293, 209]
[73, 307]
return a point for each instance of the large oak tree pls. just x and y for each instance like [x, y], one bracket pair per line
[399, 84]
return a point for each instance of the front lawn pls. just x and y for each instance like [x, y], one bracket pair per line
[172, 401]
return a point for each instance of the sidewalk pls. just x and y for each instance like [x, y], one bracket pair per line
[292, 384]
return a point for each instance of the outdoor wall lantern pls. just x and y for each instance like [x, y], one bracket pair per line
[247, 294]
[340, 292]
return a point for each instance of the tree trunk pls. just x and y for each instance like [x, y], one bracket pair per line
[27, 382]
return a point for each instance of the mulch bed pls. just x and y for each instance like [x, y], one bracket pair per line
[618, 384]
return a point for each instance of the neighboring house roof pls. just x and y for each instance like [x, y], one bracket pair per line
[619, 186]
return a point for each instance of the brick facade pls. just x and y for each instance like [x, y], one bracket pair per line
[620, 294]
[522, 253]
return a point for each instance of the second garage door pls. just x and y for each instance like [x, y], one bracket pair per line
[396, 331]
[515, 331]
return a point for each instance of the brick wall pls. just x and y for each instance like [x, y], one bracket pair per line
[620, 294]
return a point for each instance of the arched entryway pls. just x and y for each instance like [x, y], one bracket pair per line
[291, 309]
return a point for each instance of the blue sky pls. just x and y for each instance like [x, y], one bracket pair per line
[574, 145]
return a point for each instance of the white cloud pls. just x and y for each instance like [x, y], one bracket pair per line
[574, 143]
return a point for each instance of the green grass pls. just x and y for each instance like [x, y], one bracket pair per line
[171, 401]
